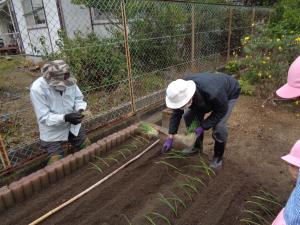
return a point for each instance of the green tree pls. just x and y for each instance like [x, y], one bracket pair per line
[286, 16]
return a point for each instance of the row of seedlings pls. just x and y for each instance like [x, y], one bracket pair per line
[143, 136]
[186, 187]
[24, 188]
[260, 209]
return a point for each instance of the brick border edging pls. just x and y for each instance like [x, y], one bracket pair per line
[27, 186]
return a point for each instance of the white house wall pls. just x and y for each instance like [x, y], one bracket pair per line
[4, 29]
[31, 36]
[17, 4]
[76, 18]
[35, 35]
[101, 31]
[53, 22]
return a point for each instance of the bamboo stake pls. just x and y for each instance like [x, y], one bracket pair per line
[193, 39]
[45, 216]
[3, 154]
[229, 33]
[128, 57]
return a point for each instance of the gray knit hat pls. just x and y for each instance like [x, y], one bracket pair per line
[57, 74]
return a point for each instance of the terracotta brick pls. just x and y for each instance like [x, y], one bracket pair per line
[92, 151]
[44, 178]
[79, 159]
[136, 128]
[2, 205]
[113, 138]
[132, 130]
[67, 165]
[127, 133]
[27, 187]
[50, 169]
[86, 155]
[59, 169]
[73, 163]
[36, 182]
[119, 138]
[122, 134]
[108, 141]
[17, 191]
[102, 147]
[6, 197]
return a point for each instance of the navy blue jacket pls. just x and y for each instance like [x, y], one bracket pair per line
[213, 91]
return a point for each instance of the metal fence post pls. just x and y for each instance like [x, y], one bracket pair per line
[15, 26]
[229, 33]
[3, 154]
[253, 21]
[128, 58]
[193, 38]
[270, 15]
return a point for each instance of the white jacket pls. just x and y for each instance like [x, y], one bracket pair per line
[50, 108]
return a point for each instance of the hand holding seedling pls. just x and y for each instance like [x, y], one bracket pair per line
[74, 118]
[167, 145]
[199, 131]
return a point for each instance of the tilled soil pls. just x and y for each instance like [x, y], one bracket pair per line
[258, 137]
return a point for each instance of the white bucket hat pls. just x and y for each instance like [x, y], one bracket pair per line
[179, 92]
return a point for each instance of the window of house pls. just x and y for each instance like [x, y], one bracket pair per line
[34, 12]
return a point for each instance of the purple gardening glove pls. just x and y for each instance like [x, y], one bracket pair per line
[167, 145]
[199, 131]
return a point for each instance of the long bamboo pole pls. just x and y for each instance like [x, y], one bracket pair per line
[128, 57]
[45, 216]
[229, 34]
[193, 39]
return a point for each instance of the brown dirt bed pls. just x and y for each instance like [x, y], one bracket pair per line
[258, 137]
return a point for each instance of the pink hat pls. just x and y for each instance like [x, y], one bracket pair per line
[292, 88]
[294, 156]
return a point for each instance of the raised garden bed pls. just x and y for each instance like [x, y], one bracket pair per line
[156, 189]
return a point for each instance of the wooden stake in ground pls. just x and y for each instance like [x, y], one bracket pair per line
[3, 155]
[92, 187]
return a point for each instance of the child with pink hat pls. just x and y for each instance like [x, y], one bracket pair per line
[290, 214]
[292, 88]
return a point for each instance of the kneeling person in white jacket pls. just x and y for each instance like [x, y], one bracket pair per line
[58, 104]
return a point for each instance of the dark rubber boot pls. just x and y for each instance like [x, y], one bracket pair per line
[197, 148]
[217, 161]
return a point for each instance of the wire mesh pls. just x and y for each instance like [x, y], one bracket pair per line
[118, 72]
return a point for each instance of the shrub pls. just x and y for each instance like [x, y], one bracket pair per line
[93, 61]
[152, 48]
[286, 16]
[246, 87]
[267, 59]
[234, 66]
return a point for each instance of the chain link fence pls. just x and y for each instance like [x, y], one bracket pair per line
[123, 54]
